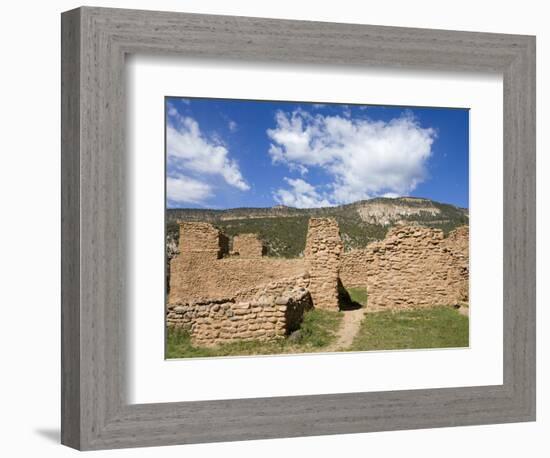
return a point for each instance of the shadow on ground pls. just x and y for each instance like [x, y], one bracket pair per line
[53, 435]
[345, 302]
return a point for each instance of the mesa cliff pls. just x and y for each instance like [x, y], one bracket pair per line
[283, 230]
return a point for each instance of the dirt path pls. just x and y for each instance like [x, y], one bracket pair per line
[349, 328]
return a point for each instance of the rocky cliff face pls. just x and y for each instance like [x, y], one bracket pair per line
[386, 213]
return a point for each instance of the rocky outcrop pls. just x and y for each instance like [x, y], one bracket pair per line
[386, 213]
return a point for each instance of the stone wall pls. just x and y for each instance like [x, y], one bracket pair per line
[322, 253]
[197, 278]
[272, 290]
[412, 266]
[200, 272]
[248, 246]
[264, 317]
[202, 240]
[204, 270]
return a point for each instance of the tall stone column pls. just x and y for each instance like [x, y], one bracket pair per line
[323, 250]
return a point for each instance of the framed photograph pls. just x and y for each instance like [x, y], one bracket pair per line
[277, 228]
[288, 221]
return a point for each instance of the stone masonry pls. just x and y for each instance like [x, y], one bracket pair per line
[323, 250]
[201, 240]
[413, 266]
[205, 269]
[222, 296]
[200, 278]
[248, 246]
[263, 317]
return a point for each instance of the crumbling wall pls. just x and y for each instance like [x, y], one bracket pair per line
[412, 266]
[272, 290]
[322, 254]
[200, 272]
[199, 278]
[265, 317]
[248, 246]
[457, 245]
[201, 240]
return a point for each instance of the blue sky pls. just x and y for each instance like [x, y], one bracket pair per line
[239, 153]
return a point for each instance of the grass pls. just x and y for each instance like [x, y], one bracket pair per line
[358, 295]
[318, 330]
[437, 327]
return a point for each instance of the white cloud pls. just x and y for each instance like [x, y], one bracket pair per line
[193, 152]
[184, 189]
[172, 110]
[301, 195]
[362, 157]
[232, 125]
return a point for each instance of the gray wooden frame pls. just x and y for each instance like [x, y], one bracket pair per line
[95, 413]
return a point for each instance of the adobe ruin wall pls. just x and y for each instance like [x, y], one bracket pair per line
[270, 312]
[248, 246]
[195, 278]
[221, 296]
[204, 268]
[324, 248]
[413, 266]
